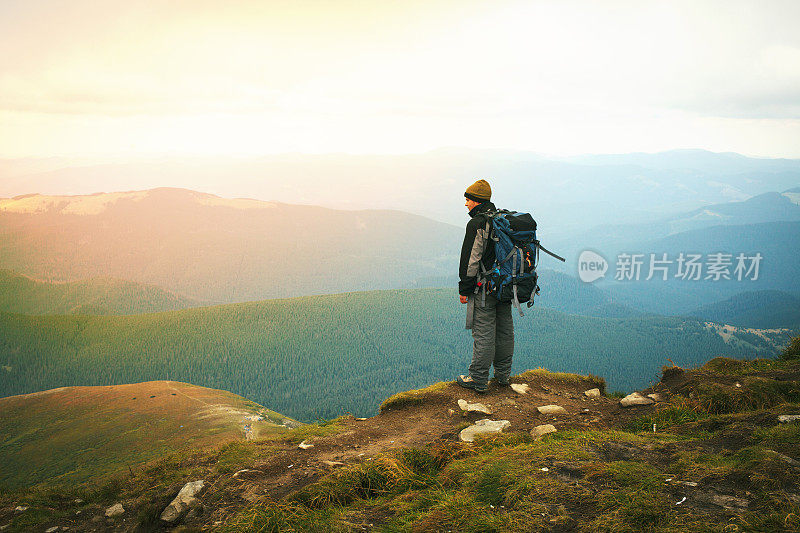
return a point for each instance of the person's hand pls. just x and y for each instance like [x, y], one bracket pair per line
[462, 298]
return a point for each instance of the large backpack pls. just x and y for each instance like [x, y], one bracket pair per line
[513, 277]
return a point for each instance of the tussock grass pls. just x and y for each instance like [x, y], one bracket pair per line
[739, 367]
[277, 517]
[322, 428]
[414, 396]
[565, 377]
[678, 410]
[388, 473]
[756, 393]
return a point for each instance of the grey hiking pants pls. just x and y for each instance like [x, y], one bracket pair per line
[493, 333]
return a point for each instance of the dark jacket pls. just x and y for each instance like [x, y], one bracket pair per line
[476, 248]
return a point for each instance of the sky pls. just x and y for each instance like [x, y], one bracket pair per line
[121, 78]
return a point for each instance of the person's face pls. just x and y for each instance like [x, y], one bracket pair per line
[470, 204]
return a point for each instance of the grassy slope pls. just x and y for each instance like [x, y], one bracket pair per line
[324, 356]
[75, 433]
[718, 450]
[21, 294]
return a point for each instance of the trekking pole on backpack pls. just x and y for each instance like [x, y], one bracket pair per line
[545, 250]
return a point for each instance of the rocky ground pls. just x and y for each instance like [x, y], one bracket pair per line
[705, 451]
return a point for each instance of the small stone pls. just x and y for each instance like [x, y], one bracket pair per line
[738, 385]
[730, 503]
[656, 397]
[305, 445]
[115, 510]
[483, 426]
[786, 458]
[539, 431]
[520, 388]
[473, 407]
[544, 469]
[51, 529]
[592, 393]
[333, 464]
[20, 508]
[788, 418]
[552, 410]
[185, 500]
[78, 501]
[635, 399]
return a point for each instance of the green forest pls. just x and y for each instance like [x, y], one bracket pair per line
[322, 356]
[96, 296]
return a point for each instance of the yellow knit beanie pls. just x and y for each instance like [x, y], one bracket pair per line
[480, 191]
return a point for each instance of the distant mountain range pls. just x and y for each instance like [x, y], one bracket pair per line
[766, 207]
[209, 248]
[204, 248]
[566, 195]
[779, 270]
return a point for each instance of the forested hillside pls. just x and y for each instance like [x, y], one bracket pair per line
[756, 309]
[21, 294]
[323, 356]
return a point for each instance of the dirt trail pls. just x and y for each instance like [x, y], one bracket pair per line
[436, 418]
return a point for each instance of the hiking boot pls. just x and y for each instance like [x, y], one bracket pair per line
[502, 382]
[468, 383]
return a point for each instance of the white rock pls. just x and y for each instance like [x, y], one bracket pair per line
[51, 530]
[115, 510]
[473, 407]
[483, 426]
[788, 418]
[592, 393]
[539, 431]
[520, 388]
[305, 445]
[656, 397]
[183, 501]
[635, 399]
[20, 508]
[552, 410]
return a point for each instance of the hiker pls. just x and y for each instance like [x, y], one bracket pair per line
[491, 321]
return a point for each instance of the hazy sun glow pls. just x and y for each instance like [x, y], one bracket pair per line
[561, 77]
